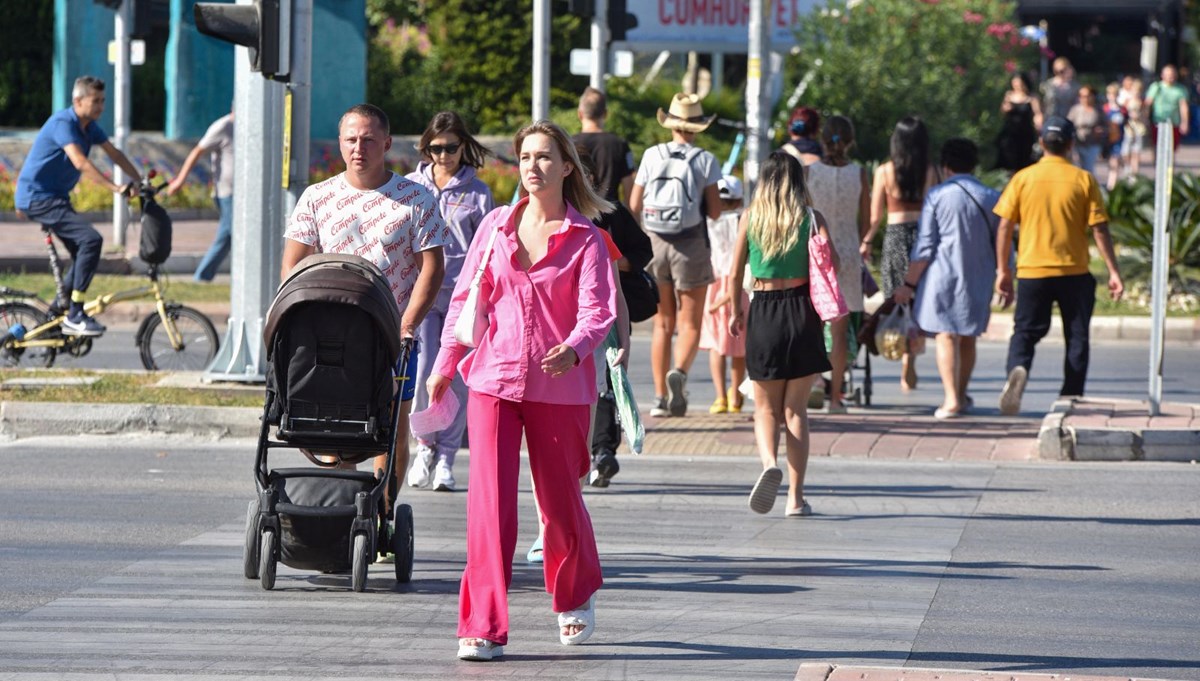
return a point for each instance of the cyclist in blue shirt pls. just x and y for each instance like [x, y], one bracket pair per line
[58, 158]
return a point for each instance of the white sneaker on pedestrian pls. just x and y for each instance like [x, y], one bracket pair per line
[422, 465]
[443, 478]
[1014, 388]
[659, 410]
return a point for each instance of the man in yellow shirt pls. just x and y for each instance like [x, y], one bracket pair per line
[1055, 204]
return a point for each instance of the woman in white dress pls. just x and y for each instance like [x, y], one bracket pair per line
[840, 191]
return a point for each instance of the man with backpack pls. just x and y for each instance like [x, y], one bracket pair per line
[674, 191]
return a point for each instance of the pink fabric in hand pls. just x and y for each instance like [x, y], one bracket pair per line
[436, 417]
[823, 286]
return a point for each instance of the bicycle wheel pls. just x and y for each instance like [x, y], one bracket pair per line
[28, 316]
[198, 335]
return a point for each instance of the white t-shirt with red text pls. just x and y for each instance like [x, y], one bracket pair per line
[387, 225]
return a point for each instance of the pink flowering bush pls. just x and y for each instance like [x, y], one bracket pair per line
[948, 61]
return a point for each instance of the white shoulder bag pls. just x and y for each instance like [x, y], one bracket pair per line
[472, 320]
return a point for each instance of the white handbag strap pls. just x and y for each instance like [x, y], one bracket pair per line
[487, 256]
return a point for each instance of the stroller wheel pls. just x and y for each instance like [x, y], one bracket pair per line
[250, 548]
[266, 561]
[358, 579]
[402, 543]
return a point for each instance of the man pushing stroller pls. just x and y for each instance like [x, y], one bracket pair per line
[395, 223]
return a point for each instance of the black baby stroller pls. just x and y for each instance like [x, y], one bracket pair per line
[333, 340]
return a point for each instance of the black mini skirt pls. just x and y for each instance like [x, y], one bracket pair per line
[784, 337]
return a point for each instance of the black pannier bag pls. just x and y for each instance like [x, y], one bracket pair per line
[155, 246]
[332, 337]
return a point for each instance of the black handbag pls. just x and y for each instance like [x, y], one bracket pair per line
[641, 294]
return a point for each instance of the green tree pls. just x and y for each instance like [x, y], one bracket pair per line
[26, 62]
[876, 61]
[484, 55]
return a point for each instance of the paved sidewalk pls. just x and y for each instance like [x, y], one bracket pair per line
[25, 245]
[876, 433]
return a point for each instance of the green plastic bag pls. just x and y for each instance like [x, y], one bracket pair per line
[627, 409]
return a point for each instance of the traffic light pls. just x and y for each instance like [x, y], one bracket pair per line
[263, 26]
[581, 8]
[619, 21]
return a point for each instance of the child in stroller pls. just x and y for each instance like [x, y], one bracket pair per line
[334, 358]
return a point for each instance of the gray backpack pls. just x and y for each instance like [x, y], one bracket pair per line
[671, 197]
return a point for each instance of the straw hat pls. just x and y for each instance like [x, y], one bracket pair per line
[686, 114]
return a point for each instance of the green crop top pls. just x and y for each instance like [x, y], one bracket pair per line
[791, 265]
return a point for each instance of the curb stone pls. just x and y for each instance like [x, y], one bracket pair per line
[30, 419]
[1057, 441]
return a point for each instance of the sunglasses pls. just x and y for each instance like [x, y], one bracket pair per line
[437, 149]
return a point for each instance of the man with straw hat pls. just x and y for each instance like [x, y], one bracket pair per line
[674, 190]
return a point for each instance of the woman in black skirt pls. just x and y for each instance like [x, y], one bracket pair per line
[785, 347]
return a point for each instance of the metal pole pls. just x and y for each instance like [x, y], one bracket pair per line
[599, 44]
[757, 107]
[258, 222]
[1164, 172]
[121, 104]
[718, 71]
[541, 59]
[301, 89]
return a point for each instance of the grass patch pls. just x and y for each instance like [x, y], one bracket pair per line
[182, 289]
[122, 388]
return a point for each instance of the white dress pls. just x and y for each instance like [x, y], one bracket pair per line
[835, 193]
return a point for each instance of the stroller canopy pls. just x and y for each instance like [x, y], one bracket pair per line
[340, 279]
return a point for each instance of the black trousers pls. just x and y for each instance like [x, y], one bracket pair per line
[607, 434]
[1076, 298]
[82, 240]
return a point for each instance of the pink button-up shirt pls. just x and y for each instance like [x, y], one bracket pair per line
[566, 297]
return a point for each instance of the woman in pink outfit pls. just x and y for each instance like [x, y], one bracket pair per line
[550, 300]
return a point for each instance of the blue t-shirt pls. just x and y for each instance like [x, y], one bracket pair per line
[47, 172]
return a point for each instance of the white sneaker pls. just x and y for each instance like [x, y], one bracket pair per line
[418, 473]
[1014, 388]
[443, 478]
[659, 410]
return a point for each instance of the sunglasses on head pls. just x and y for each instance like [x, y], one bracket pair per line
[436, 149]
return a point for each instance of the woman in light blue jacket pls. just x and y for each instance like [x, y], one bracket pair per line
[451, 157]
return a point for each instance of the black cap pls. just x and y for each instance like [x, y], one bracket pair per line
[1058, 129]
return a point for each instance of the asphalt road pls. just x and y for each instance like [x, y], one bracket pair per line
[1117, 369]
[121, 556]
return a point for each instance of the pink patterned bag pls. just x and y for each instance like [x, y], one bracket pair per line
[823, 286]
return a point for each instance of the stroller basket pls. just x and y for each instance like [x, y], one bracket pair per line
[316, 513]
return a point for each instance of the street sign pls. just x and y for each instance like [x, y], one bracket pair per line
[710, 25]
[137, 52]
[620, 63]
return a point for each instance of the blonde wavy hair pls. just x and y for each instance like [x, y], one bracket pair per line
[577, 190]
[779, 206]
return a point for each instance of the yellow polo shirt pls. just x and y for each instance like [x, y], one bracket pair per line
[1055, 204]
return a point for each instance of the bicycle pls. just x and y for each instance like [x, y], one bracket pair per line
[174, 337]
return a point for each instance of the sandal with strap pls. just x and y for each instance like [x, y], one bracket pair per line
[584, 617]
[535, 552]
[735, 400]
[478, 649]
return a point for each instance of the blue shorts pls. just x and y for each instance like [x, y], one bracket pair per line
[406, 375]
